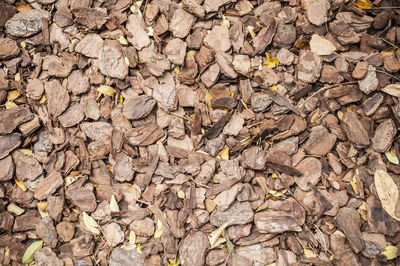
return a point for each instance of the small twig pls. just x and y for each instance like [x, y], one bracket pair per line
[382, 7]
[390, 43]
[325, 88]
[180, 116]
[384, 72]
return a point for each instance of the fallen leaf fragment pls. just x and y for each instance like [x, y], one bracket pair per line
[132, 237]
[390, 252]
[15, 209]
[21, 6]
[20, 184]
[388, 52]
[106, 90]
[388, 192]
[12, 95]
[91, 223]
[321, 46]
[29, 252]
[365, 4]
[271, 62]
[224, 153]
[309, 253]
[42, 100]
[214, 236]
[181, 194]
[392, 89]
[174, 262]
[159, 230]
[114, 204]
[391, 156]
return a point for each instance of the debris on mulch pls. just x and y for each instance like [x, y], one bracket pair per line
[199, 132]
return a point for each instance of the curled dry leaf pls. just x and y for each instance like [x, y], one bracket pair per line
[391, 156]
[214, 236]
[106, 90]
[364, 4]
[390, 252]
[91, 223]
[388, 192]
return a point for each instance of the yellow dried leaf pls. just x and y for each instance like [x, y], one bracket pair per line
[388, 52]
[262, 207]
[122, 40]
[121, 98]
[126, 59]
[26, 152]
[224, 153]
[106, 90]
[271, 62]
[274, 88]
[114, 204]
[388, 192]
[339, 233]
[365, 4]
[43, 99]
[17, 77]
[10, 105]
[12, 95]
[354, 186]
[391, 156]
[68, 180]
[20, 184]
[132, 237]
[21, 6]
[208, 98]
[15, 209]
[181, 194]
[174, 262]
[177, 70]
[214, 236]
[309, 253]
[225, 22]
[251, 31]
[90, 223]
[23, 44]
[340, 115]
[210, 205]
[42, 205]
[159, 230]
[390, 252]
[191, 53]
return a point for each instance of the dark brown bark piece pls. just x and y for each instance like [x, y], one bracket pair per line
[49, 185]
[8, 143]
[47, 232]
[348, 221]
[193, 248]
[320, 141]
[384, 135]
[83, 198]
[10, 119]
[57, 97]
[144, 135]
[355, 130]
[26, 166]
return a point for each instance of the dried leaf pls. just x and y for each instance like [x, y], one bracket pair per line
[391, 156]
[365, 4]
[388, 52]
[390, 252]
[122, 40]
[224, 153]
[388, 192]
[303, 45]
[10, 105]
[28, 255]
[15, 209]
[214, 236]
[12, 95]
[30, 251]
[91, 223]
[392, 89]
[174, 262]
[21, 6]
[309, 253]
[114, 204]
[271, 62]
[42, 100]
[20, 184]
[132, 237]
[321, 46]
[181, 194]
[159, 230]
[106, 90]
[262, 207]
[42, 205]
[225, 22]
[229, 244]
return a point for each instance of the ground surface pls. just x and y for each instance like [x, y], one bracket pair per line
[215, 132]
